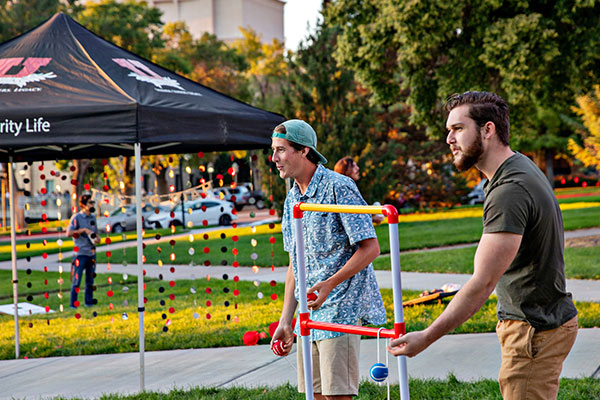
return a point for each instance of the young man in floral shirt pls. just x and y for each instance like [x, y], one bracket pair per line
[339, 252]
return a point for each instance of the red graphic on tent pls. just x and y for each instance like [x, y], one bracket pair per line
[142, 73]
[27, 72]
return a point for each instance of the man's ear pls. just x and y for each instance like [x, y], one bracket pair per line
[489, 129]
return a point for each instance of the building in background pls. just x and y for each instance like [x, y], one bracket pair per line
[223, 18]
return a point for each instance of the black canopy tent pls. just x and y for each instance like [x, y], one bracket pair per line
[66, 93]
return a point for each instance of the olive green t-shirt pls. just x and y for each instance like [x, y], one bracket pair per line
[519, 199]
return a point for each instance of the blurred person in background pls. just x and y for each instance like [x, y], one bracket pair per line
[347, 166]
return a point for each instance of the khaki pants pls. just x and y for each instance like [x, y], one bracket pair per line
[335, 366]
[532, 360]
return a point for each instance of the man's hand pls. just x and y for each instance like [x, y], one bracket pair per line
[286, 335]
[322, 290]
[409, 345]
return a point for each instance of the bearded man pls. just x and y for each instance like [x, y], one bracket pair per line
[520, 254]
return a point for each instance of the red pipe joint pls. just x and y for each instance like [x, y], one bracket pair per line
[297, 211]
[399, 329]
[391, 213]
[304, 320]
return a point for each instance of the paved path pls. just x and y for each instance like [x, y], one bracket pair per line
[468, 357]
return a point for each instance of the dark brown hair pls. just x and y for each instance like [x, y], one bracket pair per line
[344, 165]
[484, 107]
[311, 156]
[84, 199]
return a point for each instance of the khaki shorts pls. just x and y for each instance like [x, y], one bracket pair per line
[335, 366]
[531, 359]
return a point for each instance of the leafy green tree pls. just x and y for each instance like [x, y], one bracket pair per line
[398, 163]
[19, 16]
[219, 66]
[537, 55]
[589, 111]
[132, 25]
[266, 68]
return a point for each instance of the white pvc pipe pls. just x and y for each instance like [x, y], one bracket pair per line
[140, 255]
[13, 250]
[306, 345]
[398, 311]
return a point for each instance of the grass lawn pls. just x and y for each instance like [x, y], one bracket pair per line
[420, 389]
[413, 235]
[421, 233]
[580, 262]
[35, 246]
[179, 314]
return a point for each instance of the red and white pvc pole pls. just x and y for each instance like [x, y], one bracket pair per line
[397, 289]
[303, 316]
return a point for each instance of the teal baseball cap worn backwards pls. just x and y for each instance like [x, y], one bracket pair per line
[300, 132]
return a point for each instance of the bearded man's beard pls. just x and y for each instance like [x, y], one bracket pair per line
[469, 156]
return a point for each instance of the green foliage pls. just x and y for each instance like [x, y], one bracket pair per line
[213, 251]
[18, 17]
[132, 25]
[266, 68]
[397, 161]
[538, 56]
[327, 97]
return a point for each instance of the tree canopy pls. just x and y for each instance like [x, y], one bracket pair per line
[537, 55]
[589, 110]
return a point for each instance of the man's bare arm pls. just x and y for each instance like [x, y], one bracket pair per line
[495, 253]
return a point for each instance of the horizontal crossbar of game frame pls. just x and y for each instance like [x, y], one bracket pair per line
[387, 210]
[306, 325]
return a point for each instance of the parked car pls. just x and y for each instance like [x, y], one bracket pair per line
[477, 196]
[213, 211]
[238, 196]
[123, 218]
[256, 196]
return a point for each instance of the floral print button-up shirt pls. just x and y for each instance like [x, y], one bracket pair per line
[330, 240]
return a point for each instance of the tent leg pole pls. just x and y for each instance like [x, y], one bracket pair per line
[13, 244]
[140, 266]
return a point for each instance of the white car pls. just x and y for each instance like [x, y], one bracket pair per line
[477, 196]
[240, 196]
[123, 218]
[200, 213]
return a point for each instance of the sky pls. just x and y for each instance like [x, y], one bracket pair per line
[296, 15]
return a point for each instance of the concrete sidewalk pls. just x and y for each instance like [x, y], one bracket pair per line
[468, 357]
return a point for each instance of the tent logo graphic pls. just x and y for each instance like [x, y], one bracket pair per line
[144, 74]
[27, 72]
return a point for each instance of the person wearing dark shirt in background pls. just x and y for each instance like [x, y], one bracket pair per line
[84, 231]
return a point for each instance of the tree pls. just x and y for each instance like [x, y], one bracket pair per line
[219, 67]
[395, 158]
[131, 25]
[19, 16]
[589, 110]
[267, 68]
[537, 55]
